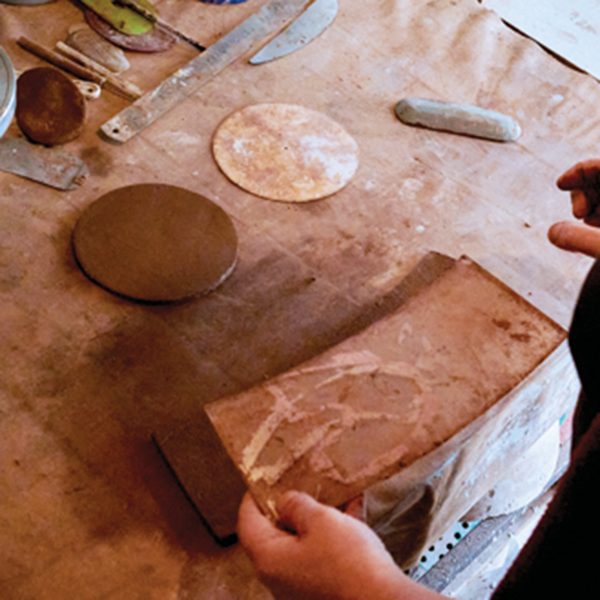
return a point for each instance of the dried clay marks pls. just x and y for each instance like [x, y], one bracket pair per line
[155, 243]
[285, 152]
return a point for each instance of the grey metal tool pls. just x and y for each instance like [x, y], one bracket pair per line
[310, 24]
[458, 118]
[271, 18]
[49, 166]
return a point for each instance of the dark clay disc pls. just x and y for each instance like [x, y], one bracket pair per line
[156, 40]
[155, 243]
[50, 108]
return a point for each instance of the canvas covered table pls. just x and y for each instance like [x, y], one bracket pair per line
[88, 509]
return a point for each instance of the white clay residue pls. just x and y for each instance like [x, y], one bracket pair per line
[339, 166]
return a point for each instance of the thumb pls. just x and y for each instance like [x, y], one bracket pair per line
[575, 237]
[298, 511]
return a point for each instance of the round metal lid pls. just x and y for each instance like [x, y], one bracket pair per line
[8, 91]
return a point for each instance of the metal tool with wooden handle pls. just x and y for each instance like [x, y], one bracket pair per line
[271, 18]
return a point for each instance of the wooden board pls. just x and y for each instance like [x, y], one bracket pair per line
[377, 402]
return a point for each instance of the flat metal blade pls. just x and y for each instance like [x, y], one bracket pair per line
[272, 17]
[49, 166]
[310, 24]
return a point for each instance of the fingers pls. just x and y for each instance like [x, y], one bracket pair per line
[582, 175]
[356, 508]
[254, 529]
[580, 204]
[298, 511]
[576, 237]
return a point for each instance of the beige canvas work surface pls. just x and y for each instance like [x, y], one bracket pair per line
[379, 400]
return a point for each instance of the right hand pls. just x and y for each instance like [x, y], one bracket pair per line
[583, 181]
[330, 555]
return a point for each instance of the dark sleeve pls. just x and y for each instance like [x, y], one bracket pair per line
[558, 560]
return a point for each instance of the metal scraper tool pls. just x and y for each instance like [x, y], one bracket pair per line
[311, 23]
[49, 166]
[271, 18]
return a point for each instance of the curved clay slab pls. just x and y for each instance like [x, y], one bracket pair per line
[155, 243]
[285, 152]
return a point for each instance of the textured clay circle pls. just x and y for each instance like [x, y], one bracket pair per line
[155, 243]
[50, 108]
[285, 152]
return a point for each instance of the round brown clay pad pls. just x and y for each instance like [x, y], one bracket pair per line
[155, 40]
[155, 243]
[285, 152]
[50, 108]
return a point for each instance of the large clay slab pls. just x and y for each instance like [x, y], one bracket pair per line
[380, 400]
[285, 152]
[155, 243]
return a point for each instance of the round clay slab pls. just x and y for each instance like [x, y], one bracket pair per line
[155, 243]
[285, 152]
[50, 108]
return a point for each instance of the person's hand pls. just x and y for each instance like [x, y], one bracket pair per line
[583, 181]
[331, 555]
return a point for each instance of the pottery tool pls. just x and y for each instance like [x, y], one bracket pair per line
[113, 81]
[271, 18]
[122, 18]
[89, 89]
[113, 84]
[88, 42]
[153, 18]
[59, 61]
[135, 17]
[49, 166]
[285, 152]
[50, 108]
[155, 243]
[310, 24]
[458, 118]
[155, 40]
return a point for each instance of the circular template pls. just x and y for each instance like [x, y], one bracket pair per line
[285, 152]
[155, 243]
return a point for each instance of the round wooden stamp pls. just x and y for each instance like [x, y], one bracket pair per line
[155, 243]
[285, 152]
[50, 108]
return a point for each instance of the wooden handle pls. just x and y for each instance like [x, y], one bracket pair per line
[117, 84]
[60, 61]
